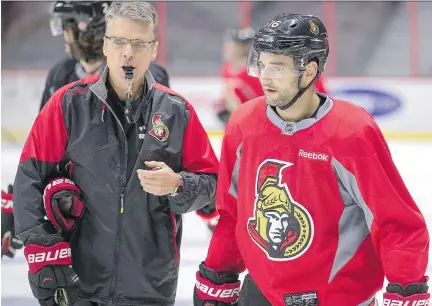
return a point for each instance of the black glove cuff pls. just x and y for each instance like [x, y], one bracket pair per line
[217, 278]
[409, 289]
[44, 241]
[208, 209]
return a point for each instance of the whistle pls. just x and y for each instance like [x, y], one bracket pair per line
[129, 76]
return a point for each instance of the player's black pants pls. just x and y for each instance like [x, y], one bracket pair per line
[250, 295]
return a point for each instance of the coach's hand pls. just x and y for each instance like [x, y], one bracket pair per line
[159, 181]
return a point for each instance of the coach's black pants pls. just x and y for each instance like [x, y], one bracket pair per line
[250, 295]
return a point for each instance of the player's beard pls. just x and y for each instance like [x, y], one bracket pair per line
[284, 97]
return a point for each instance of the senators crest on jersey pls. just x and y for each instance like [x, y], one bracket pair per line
[281, 227]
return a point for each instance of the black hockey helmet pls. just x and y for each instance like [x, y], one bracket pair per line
[87, 21]
[304, 37]
[83, 12]
[241, 36]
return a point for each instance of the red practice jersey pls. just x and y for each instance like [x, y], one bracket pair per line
[315, 210]
[245, 86]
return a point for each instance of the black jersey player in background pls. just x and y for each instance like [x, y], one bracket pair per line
[82, 24]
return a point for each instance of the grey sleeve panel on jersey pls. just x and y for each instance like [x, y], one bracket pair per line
[349, 181]
[233, 189]
[356, 219]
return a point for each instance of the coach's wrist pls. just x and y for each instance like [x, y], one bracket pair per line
[179, 186]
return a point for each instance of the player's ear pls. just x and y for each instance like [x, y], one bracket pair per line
[309, 73]
[311, 70]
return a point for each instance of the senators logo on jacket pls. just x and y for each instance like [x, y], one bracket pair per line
[160, 130]
[282, 228]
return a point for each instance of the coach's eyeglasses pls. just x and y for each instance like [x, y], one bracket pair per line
[138, 44]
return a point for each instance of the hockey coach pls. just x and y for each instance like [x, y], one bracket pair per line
[110, 165]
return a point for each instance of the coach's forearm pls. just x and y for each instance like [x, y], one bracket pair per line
[199, 190]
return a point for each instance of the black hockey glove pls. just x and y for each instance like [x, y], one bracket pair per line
[411, 294]
[63, 204]
[9, 242]
[52, 279]
[213, 289]
[210, 216]
[224, 116]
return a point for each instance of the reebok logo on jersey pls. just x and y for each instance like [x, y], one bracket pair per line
[312, 155]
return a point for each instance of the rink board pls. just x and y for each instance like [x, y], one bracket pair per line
[399, 105]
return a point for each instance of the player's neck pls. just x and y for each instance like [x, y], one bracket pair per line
[302, 109]
[91, 68]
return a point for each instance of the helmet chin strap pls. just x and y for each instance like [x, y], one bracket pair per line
[299, 93]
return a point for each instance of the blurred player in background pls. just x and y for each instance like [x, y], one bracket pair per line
[82, 23]
[238, 86]
[9, 242]
[310, 200]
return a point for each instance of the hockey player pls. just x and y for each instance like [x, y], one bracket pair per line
[9, 242]
[82, 23]
[310, 201]
[238, 86]
[140, 158]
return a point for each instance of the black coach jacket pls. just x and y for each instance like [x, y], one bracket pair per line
[126, 248]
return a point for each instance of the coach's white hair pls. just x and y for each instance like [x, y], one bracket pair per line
[136, 11]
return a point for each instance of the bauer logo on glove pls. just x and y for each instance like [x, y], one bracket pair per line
[63, 204]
